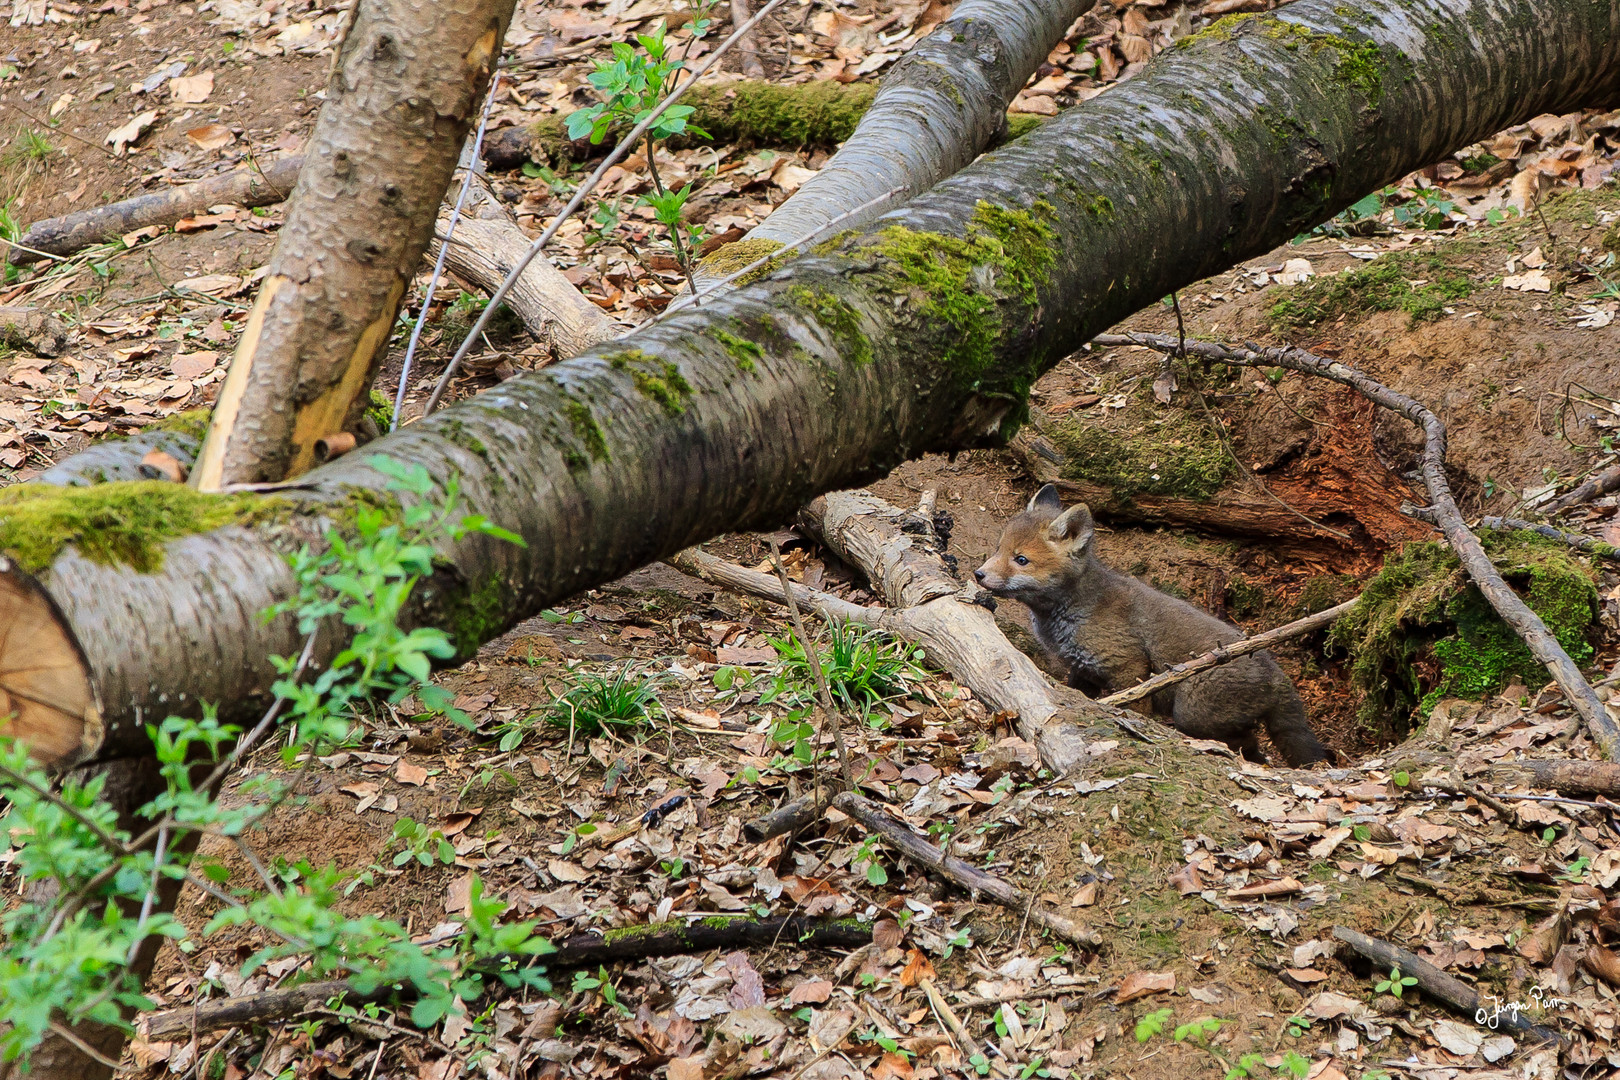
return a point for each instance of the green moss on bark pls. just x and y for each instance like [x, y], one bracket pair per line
[660, 380]
[587, 430]
[124, 524]
[745, 353]
[970, 290]
[1176, 455]
[839, 319]
[1423, 631]
[730, 258]
[192, 423]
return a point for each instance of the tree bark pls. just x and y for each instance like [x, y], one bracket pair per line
[259, 184]
[925, 335]
[935, 111]
[404, 92]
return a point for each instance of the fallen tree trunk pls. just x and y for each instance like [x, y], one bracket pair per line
[924, 335]
[942, 104]
[257, 184]
[406, 84]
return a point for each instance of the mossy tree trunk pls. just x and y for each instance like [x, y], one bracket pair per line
[935, 111]
[922, 335]
[404, 92]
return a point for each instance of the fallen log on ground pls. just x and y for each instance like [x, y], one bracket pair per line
[486, 245]
[259, 183]
[922, 335]
[579, 950]
[934, 112]
[1509, 607]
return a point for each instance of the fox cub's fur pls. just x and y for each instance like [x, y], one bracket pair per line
[1114, 631]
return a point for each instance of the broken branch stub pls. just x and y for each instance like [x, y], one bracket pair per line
[405, 90]
[46, 697]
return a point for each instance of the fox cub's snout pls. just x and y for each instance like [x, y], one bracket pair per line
[1113, 631]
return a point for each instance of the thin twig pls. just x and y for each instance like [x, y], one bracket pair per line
[444, 251]
[82, 1047]
[813, 658]
[1223, 653]
[578, 199]
[150, 898]
[1507, 603]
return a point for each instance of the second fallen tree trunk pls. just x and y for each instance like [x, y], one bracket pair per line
[922, 335]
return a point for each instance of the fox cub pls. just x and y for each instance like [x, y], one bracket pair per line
[1114, 631]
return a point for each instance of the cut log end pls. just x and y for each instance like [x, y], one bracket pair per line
[47, 700]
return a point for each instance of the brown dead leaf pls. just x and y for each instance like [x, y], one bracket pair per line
[191, 89]
[810, 992]
[211, 136]
[1086, 895]
[1305, 975]
[893, 1067]
[1603, 963]
[748, 989]
[886, 934]
[458, 896]
[120, 138]
[160, 465]
[1280, 887]
[1142, 983]
[917, 968]
[567, 871]
[1187, 881]
[193, 365]
[412, 775]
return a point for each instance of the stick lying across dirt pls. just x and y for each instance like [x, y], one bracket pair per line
[1437, 984]
[1217, 657]
[1509, 607]
[260, 184]
[580, 950]
[1600, 485]
[921, 852]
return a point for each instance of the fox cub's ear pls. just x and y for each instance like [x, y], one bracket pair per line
[1046, 499]
[1073, 530]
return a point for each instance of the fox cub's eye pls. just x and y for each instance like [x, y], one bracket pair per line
[1020, 560]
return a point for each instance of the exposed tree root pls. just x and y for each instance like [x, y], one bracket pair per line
[1512, 610]
[1590, 545]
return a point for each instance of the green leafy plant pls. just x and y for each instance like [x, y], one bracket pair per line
[421, 844]
[622, 701]
[1396, 984]
[863, 666]
[1198, 1031]
[866, 852]
[1151, 1025]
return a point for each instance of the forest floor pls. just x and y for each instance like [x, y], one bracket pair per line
[1495, 311]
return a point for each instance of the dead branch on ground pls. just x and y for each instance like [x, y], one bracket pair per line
[257, 184]
[921, 852]
[1589, 544]
[1443, 988]
[580, 950]
[1600, 485]
[1509, 607]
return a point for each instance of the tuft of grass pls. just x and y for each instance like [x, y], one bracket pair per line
[863, 666]
[598, 703]
[29, 145]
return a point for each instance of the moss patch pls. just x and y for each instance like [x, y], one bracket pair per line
[587, 430]
[837, 318]
[192, 423]
[964, 287]
[381, 410]
[1176, 454]
[660, 380]
[727, 260]
[1422, 630]
[114, 524]
[477, 615]
[746, 353]
[1386, 285]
